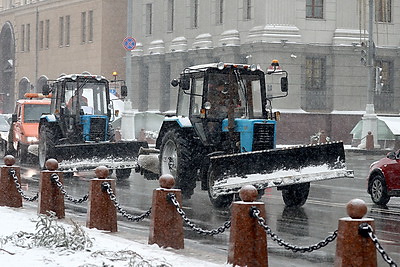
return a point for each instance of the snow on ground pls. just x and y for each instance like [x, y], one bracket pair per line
[106, 250]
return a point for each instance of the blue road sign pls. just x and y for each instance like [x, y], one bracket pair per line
[129, 43]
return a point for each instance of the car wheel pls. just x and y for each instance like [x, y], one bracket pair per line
[379, 194]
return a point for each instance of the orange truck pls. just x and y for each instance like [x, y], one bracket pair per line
[23, 135]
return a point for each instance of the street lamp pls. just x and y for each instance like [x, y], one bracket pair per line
[114, 91]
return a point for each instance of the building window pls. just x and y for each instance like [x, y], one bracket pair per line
[219, 12]
[47, 33]
[149, 19]
[83, 27]
[61, 31]
[194, 13]
[41, 32]
[22, 37]
[314, 9]
[90, 26]
[315, 83]
[246, 9]
[28, 37]
[383, 10]
[170, 18]
[67, 30]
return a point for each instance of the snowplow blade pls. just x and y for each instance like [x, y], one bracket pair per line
[115, 155]
[278, 167]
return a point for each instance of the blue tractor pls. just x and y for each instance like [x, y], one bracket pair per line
[224, 135]
[78, 131]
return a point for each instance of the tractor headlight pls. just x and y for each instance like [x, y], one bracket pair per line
[31, 139]
[254, 67]
[207, 105]
[221, 65]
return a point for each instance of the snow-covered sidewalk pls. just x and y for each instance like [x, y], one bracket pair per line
[19, 236]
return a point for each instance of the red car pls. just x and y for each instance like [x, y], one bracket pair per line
[384, 178]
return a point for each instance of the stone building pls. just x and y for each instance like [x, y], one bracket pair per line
[39, 40]
[319, 43]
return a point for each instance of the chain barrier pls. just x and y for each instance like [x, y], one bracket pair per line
[213, 232]
[14, 176]
[366, 231]
[107, 188]
[56, 179]
[254, 212]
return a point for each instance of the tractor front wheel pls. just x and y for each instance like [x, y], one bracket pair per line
[176, 159]
[295, 195]
[218, 201]
[46, 145]
[122, 174]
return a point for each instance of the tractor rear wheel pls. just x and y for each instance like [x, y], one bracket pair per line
[218, 201]
[176, 159]
[295, 195]
[47, 141]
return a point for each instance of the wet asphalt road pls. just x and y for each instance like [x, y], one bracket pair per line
[302, 226]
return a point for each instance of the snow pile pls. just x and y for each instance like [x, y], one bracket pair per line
[27, 239]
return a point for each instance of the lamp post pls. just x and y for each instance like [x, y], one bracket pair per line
[115, 74]
[370, 120]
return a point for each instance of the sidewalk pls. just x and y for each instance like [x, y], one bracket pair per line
[118, 249]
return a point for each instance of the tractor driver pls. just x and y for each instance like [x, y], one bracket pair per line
[73, 101]
[220, 95]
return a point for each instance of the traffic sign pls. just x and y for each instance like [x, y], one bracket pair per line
[129, 43]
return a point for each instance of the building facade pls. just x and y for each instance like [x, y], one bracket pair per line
[321, 43]
[39, 40]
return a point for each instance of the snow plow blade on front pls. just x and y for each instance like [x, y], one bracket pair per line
[86, 156]
[278, 167]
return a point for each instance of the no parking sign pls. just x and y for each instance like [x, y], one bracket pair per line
[129, 43]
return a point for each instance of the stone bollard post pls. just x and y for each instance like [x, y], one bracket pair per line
[248, 240]
[166, 226]
[50, 196]
[352, 249]
[9, 195]
[102, 213]
[369, 141]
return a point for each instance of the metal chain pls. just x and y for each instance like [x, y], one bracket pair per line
[13, 174]
[256, 214]
[56, 179]
[366, 230]
[219, 230]
[107, 188]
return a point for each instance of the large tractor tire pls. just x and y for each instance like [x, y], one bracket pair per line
[176, 159]
[47, 142]
[22, 152]
[218, 201]
[378, 189]
[295, 195]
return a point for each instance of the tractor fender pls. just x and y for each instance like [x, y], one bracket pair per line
[175, 122]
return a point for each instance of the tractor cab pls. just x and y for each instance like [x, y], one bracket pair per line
[82, 106]
[224, 103]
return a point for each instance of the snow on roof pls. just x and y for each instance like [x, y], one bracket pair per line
[393, 123]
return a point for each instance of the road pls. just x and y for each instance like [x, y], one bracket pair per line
[302, 226]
